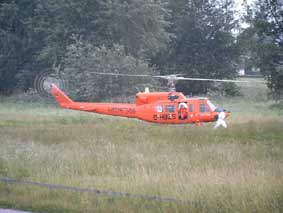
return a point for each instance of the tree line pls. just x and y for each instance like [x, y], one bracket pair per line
[81, 37]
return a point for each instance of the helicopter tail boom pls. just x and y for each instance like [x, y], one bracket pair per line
[115, 109]
[61, 97]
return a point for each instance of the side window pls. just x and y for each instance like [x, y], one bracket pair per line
[204, 108]
[170, 108]
[159, 108]
[192, 108]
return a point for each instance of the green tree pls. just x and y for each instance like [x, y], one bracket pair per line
[16, 46]
[35, 34]
[204, 45]
[265, 39]
[84, 59]
[56, 23]
[188, 36]
[138, 25]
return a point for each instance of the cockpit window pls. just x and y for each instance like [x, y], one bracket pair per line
[211, 106]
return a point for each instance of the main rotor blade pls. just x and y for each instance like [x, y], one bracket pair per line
[176, 77]
[120, 74]
[216, 80]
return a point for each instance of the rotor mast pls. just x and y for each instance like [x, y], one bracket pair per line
[172, 81]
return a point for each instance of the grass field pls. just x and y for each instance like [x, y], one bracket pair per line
[235, 170]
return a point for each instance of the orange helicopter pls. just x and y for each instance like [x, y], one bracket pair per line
[157, 107]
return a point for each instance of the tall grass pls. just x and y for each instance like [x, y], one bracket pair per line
[235, 170]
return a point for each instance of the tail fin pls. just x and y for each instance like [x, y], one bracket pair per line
[61, 97]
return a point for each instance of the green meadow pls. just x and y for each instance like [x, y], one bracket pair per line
[238, 169]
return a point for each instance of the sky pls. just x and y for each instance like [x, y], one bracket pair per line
[240, 8]
[240, 3]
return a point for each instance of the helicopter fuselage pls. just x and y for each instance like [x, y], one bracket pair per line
[156, 107]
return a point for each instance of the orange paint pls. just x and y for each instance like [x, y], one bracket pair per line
[156, 107]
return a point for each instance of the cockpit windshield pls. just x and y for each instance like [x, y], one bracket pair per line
[211, 105]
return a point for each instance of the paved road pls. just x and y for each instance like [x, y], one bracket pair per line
[11, 211]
